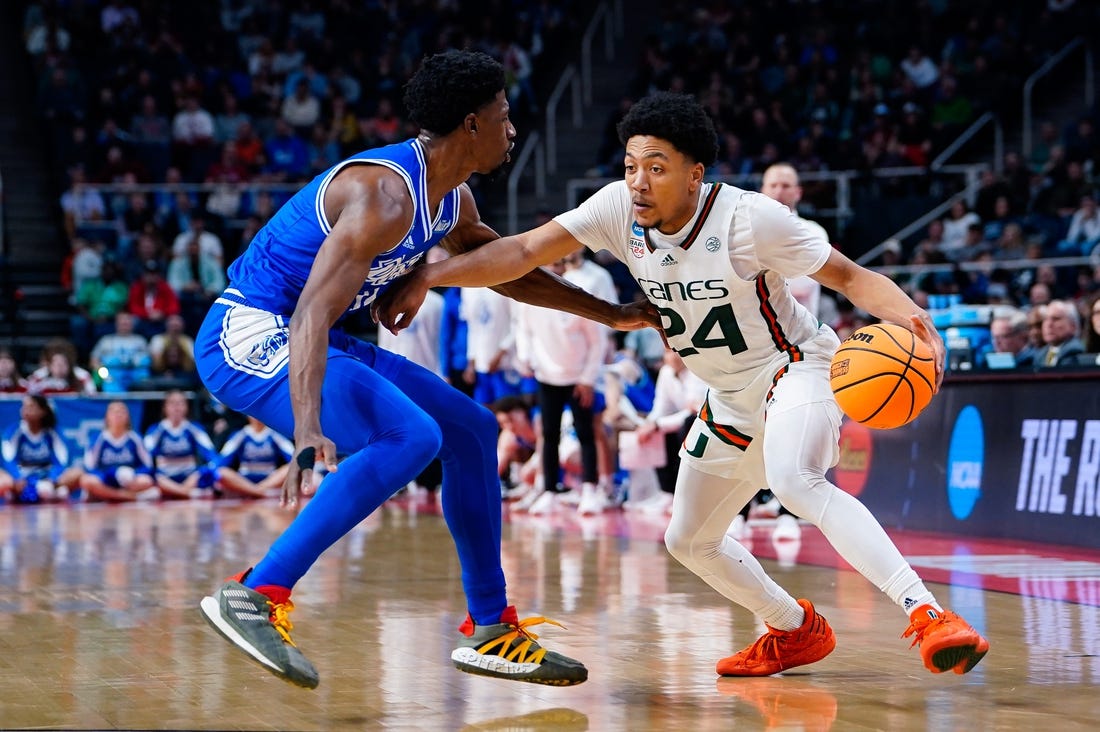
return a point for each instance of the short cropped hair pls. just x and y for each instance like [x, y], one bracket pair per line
[677, 118]
[450, 85]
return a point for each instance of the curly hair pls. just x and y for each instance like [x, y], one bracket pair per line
[677, 118]
[450, 85]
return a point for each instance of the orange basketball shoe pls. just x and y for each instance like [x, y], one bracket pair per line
[946, 640]
[779, 650]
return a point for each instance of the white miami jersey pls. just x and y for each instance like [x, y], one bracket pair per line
[721, 281]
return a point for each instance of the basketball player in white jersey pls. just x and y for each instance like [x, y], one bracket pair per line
[716, 260]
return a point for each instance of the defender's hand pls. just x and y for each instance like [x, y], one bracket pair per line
[397, 305]
[299, 476]
[637, 315]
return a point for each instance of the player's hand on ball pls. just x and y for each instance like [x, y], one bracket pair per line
[922, 327]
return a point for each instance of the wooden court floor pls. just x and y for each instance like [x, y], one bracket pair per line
[99, 629]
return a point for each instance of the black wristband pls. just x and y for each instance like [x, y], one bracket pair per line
[306, 458]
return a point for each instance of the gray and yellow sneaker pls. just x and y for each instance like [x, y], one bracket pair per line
[257, 621]
[507, 650]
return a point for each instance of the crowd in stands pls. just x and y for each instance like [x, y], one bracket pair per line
[842, 85]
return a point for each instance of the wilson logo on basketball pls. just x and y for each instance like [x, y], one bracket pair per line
[838, 369]
[861, 337]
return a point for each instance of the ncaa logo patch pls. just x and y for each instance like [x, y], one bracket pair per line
[713, 244]
[965, 457]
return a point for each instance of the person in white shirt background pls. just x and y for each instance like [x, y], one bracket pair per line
[564, 352]
[679, 396]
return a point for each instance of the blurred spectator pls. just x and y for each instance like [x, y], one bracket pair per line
[419, 342]
[11, 381]
[384, 126]
[1061, 330]
[249, 147]
[1084, 230]
[564, 352]
[149, 125]
[933, 239]
[453, 343]
[174, 366]
[1092, 332]
[228, 121]
[35, 458]
[208, 242]
[59, 373]
[1009, 334]
[955, 225]
[84, 262]
[324, 152]
[517, 446]
[301, 110]
[287, 156]
[490, 344]
[81, 204]
[197, 278]
[151, 300]
[117, 466]
[120, 359]
[174, 334]
[192, 137]
[919, 68]
[97, 302]
[679, 394]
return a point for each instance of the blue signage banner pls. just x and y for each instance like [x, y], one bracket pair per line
[1013, 458]
[79, 419]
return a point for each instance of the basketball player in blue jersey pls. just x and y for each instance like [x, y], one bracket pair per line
[717, 261]
[271, 347]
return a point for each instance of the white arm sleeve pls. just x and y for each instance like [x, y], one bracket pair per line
[598, 221]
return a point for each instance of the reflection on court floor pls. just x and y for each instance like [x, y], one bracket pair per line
[99, 628]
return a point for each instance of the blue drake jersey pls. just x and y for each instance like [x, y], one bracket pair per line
[25, 453]
[179, 451]
[107, 453]
[255, 454]
[273, 269]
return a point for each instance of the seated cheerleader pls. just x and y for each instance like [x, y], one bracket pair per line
[182, 452]
[117, 466]
[253, 462]
[35, 457]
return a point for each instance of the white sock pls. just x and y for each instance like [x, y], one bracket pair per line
[908, 592]
[784, 614]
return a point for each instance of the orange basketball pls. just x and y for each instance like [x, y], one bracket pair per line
[882, 376]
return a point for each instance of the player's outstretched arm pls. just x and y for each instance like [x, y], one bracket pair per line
[881, 297]
[372, 211]
[510, 266]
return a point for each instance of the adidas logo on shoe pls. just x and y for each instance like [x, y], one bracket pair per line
[667, 260]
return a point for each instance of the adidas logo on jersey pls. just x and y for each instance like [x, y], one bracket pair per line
[667, 260]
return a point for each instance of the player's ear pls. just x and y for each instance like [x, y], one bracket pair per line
[471, 123]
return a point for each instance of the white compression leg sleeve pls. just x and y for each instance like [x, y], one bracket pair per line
[703, 507]
[799, 446]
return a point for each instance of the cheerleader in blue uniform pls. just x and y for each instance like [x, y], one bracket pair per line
[117, 466]
[35, 457]
[183, 454]
[253, 462]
